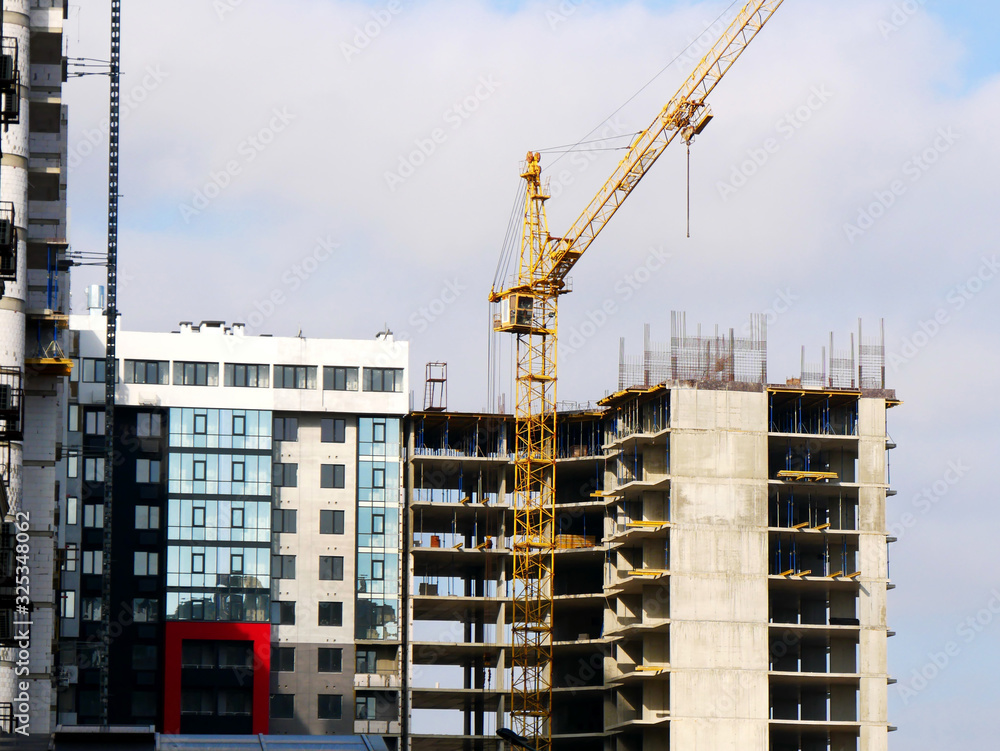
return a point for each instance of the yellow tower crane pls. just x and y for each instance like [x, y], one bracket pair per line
[529, 310]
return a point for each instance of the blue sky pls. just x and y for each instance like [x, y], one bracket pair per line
[976, 25]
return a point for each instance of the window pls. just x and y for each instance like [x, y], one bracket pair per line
[340, 379]
[331, 522]
[143, 704]
[67, 604]
[145, 610]
[331, 475]
[283, 520]
[249, 376]
[383, 379]
[331, 568]
[93, 422]
[146, 564]
[93, 516]
[147, 371]
[378, 477]
[333, 430]
[90, 655]
[90, 608]
[89, 703]
[283, 659]
[236, 654]
[237, 518]
[147, 517]
[198, 563]
[71, 509]
[330, 660]
[378, 524]
[239, 471]
[197, 654]
[93, 469]
[282, 706]
[239, 424]
[93, 370]
[295, 376]
[147, 470]
[282, 613]
[331, 614]
[147, 425]
[329, 707]
[286, 429]
[73, 421]
[200, 424]
[72, 556]
[378, 569]
[236, 563]
[72, 465]
[92, 560]
[366, 661]
[198, 514]
[143, 657]
[284, 475]
[364, 708]
[197, 701]
[282, 566]
[196, 374]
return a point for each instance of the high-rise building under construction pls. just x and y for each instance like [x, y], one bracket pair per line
[721, 562]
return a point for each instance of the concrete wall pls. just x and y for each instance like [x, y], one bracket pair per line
[718, 565]
[874, 566]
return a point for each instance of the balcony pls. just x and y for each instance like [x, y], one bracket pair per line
[632, 580]
[376, 680]
[629, 531]
[628, 626]
[376, 727]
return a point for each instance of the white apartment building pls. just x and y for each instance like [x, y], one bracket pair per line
[256, 530]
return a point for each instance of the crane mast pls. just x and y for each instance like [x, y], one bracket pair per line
[111, 362]
[529, 310]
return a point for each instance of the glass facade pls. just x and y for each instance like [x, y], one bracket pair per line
[219, 515]
[379, 472]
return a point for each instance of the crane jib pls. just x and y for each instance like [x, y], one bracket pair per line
[528, 308]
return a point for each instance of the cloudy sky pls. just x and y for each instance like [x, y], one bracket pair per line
[335, 167]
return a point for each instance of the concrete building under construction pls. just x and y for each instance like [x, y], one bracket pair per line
[721, 561]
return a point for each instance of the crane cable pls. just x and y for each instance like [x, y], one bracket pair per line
[506, 251]
[646, 85]
[510, 243]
